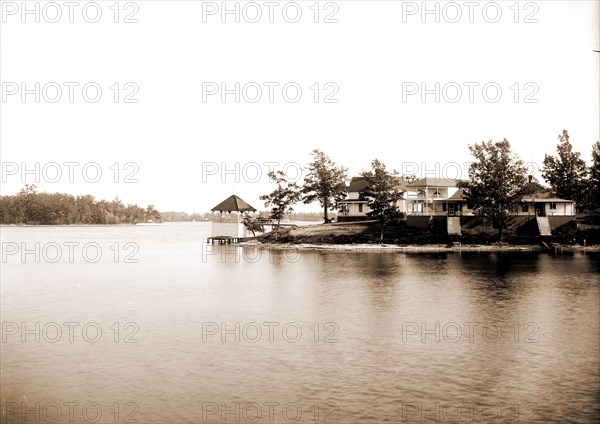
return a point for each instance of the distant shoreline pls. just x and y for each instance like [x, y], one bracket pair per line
[137, 224]
[66, 225]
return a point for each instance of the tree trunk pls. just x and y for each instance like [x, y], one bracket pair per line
[501, 225]
[325, 212]
[381, 238]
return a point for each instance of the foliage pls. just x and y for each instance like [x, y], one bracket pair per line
[252, 224]
[567, 172]
[325, 182]
[383, 193]
[593, 186]
[283, 197]
[33, 208]
[497, 181]
[410, 178]
[533, 186]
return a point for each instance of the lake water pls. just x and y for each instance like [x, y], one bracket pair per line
[148, 323]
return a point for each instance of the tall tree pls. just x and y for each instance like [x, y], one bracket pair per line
[325, 182]
[593, 187]
[497, 181]
[283, 198]
[28, 198]
[567, 172]
[152, 214]
[383, 193]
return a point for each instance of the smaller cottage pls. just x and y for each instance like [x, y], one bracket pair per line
[549, 210]
[546, 203]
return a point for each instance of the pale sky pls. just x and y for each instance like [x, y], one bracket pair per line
[374, 61]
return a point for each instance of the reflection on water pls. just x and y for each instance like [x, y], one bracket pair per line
[227, 333]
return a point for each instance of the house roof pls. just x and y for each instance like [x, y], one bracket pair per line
[360, 183]
[456, 197]
[433, 182]
[233, 203]
[544, 196]
[537, 197]
[459, 195]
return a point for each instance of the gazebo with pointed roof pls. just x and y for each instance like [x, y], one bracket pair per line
[233, 204]
[225, 226]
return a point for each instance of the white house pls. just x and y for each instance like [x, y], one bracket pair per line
[426, 196]
[433, 197]
[355, 209]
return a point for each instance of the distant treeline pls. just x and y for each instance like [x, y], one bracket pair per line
[33, 208]
[185, 217]
[208, 216]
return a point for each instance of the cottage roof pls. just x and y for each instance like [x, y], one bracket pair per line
[544, 196]
[459, 195]
[233, 203]
[358, 184]
[537, 197]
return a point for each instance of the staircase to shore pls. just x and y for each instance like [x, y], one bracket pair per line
[543, 225]
[453, 225]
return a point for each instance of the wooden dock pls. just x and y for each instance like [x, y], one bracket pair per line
[273, 223]
[223, 240]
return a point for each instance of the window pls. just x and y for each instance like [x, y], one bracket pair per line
[525, 208]
[552, 205]
[360, 207]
